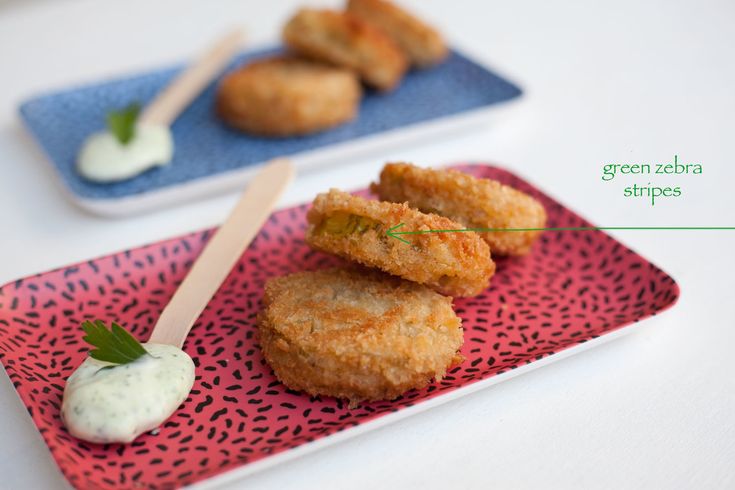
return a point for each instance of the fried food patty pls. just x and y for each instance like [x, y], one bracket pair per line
[471, 201]
[286, 96]
[356, 334]
[422, 43]
[344, 40]
[456, 264]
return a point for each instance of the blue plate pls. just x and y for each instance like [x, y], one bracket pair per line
[205, 147]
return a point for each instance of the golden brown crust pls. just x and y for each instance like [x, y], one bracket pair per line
[422, 43]
[344, 40]
[471, 201]
[456, 264]
[360, 335]
[286, 96]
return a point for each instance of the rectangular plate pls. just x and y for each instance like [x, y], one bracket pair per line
[209, 157]
[573, 288]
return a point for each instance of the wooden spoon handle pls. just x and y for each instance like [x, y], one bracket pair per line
[221, 253]
[177, 96]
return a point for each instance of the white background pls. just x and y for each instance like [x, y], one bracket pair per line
[624, 81]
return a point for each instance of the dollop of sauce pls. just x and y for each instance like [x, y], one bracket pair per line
[104, 159]
[119, 403]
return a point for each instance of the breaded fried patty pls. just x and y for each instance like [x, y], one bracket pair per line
[471, 201]
[456, 264]
[285, 96]
[422, 43]
[355, 334]
[341, 39]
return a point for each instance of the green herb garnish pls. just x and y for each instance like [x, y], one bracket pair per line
[115, 345]
[122, 123]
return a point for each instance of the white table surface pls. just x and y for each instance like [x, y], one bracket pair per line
[626, 82]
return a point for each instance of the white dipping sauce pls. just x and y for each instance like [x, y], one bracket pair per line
[120, 403]
[104, 159]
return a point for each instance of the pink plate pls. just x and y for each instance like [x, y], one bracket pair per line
[574, 287]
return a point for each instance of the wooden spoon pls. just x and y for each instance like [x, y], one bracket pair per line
[177, 96]
[221, 253]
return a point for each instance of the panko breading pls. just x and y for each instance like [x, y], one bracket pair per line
[344, 40]
[286, 96]
[456, 264]
[471, 201]
[360, 335]
[422, 43]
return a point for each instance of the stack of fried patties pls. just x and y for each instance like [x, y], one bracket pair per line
[317, 86]
[386, 325]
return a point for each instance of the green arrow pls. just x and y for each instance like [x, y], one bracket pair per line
[396, 234]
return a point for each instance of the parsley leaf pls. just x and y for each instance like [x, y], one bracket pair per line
[122, 123]
[115, 345]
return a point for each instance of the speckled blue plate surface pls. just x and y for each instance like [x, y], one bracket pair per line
[205, 147]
